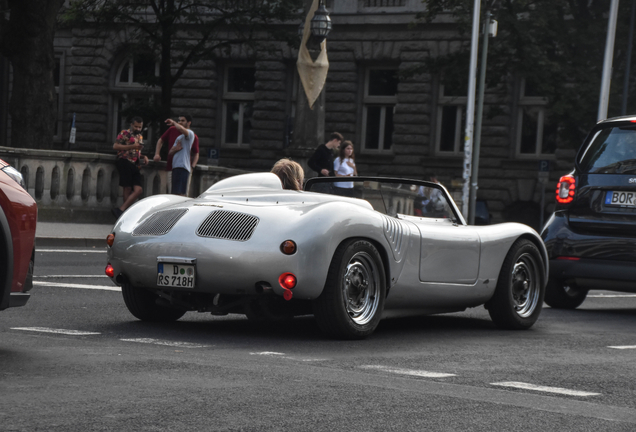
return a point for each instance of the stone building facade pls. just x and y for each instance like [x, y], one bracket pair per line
[243, 106]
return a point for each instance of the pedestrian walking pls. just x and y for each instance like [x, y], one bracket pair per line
[129, 161]
[345, 166]
[322, 160]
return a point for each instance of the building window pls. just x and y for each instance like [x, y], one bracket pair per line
[380, 98]
[451, 118]
[134, 94]
[384, 3]
[238, 104]
[58, 81]
[536, 134]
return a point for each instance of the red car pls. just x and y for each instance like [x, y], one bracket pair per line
[18, 217]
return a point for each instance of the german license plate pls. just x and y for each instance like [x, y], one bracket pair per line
[175, 275]
[619, 198]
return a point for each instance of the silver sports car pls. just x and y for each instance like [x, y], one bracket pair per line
[348, 252]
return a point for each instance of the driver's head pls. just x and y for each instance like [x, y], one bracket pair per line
[291, 174]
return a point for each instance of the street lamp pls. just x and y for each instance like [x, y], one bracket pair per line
[313, 65]
[320, 23]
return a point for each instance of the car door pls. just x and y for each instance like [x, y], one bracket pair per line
[450, 252]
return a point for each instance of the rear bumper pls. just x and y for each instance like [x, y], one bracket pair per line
[18, 299]
[594, 261]
[596, 274]
[561, 240]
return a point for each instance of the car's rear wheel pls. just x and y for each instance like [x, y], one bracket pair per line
[561, 295]
[143, 305]
[518, 298]
[352, 301]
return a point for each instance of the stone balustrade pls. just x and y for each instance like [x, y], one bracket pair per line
[83, 187]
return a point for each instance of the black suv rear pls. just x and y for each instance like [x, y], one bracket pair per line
[591, 237]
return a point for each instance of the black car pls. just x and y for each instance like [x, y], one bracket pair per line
[591, 237]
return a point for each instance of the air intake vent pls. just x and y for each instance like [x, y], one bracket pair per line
[229, 225]
[394, 233]
[159, 223]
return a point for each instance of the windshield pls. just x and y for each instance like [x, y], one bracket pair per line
[611, 151]
[393, 197]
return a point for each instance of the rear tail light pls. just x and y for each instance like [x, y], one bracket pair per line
[566, 189]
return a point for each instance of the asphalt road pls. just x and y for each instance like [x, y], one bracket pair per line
[74, 359]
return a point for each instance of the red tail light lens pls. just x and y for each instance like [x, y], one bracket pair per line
[110, 271]
[287, 280]
[566, 189]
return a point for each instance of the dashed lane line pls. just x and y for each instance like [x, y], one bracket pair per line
[164, 343]
[57, 331]
[623, 347]
[71, 250]
[611, 295]
[410, 372]
[284, 356]
[558, 390]
[82, 286]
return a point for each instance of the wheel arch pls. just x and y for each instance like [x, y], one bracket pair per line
[6, 261]
[544, 253]
[383, 254]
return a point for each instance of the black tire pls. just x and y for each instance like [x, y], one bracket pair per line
[518, 298]
[143, 305]
[560, 295]
[351, 303]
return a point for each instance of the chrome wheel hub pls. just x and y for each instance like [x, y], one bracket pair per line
[525, 285]
[360, 288]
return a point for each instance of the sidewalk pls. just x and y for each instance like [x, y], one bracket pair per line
[48, 234]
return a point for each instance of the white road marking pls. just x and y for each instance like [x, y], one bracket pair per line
[623, 347]
[282, 355]
[72, 250]
[419, 373]
[558, 390]
[612, 295]
[71, 276]
[82, 286]
[58, 331]
[163, 342]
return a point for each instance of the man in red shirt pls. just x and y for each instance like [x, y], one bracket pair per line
[170, 136]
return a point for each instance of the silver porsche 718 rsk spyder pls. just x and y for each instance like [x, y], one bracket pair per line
[350, 253]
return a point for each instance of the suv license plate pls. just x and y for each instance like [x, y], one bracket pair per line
[624, 199]
[175, 275]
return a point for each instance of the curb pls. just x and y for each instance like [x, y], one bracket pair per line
[69, 242]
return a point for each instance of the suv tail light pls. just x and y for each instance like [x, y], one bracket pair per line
[565, 189]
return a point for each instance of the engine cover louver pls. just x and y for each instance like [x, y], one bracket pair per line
[394, 233]
[159, 223]
[228, 225]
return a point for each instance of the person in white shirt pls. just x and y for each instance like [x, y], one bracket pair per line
[344, 166]
[181, 166]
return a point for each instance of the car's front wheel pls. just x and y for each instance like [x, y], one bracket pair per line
[518, 298]
[352, 301]
[561, 295]
[143, 305]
